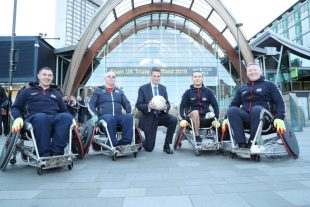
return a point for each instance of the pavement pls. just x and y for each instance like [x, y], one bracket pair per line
[158, 179]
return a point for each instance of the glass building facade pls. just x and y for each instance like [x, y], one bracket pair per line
[294, 24]
[177, 54]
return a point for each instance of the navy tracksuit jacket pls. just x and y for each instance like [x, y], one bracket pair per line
[45, 110]
[198, 99]
[108, 106]
[252, 97]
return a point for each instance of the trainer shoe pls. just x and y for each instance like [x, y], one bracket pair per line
[198, 139]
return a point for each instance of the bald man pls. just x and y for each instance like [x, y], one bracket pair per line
[245, 108]
[107, 103]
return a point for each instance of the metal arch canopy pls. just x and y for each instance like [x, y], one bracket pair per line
[164, 23]
[79, 61]
[130, 15]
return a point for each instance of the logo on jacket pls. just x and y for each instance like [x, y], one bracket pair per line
[53, 96]
[35, 93]
[204, 98]
[259, 90]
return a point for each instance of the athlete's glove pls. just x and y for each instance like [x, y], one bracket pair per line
[183, 123]
[216, 124]
[279, 125]
[94, 119]
[17, 124]
[224, 126]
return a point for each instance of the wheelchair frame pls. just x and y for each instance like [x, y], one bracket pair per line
[205, 133]
[270, 147]
[15, 143]
[101, 139]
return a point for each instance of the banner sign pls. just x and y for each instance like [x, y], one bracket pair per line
[171, 71]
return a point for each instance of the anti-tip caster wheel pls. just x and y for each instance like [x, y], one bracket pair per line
[13, 161]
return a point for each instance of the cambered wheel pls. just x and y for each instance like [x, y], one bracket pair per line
[177, 140]
[113, 157]
[86, 135]
[77, 145]
[197, 152]
[8, 149]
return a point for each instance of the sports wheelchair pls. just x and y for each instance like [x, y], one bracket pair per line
[98, 136]
[24, 142]
[208, 133]
[266, 141]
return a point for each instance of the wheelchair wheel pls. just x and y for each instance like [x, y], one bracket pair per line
[135, 154]
[289, 140]
[8, 149]
[77, 146]
[255, 158]
[178, 138]
[87, 135]
[138, 137]
[197, 152]
[70, 166]
[39, 171]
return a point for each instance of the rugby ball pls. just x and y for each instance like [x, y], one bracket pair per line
[159, 102]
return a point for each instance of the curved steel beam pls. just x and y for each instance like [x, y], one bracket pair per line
[164, 23]
[231, 24]
[142, 10]
[76, 66]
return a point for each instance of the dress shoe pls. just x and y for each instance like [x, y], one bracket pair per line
[167, 149]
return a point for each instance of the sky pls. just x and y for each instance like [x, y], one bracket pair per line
[38, 16]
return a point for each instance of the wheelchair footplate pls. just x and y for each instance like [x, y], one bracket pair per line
[207, 145]
[124, 150]
[127, 149]
[121, 150]
[44, 163]
[270, 148]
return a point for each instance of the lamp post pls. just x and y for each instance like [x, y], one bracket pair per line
[13, 61]
[238, 25]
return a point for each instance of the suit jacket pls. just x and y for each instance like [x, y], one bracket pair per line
[145, 95]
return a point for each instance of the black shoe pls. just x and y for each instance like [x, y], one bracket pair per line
[249, 144]
[198, 139]
[96, 147]
[167, 149]
[243, 145]
[123, 143]
[24, 157]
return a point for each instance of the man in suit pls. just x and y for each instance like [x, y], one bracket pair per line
[152, 118]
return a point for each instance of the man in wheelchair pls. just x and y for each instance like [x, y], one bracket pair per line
[246, 106]
[41, 104]
[106, 104]
[195, 104]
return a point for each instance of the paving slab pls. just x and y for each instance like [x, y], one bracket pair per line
[158, 179]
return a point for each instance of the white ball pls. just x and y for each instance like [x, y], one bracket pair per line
[159, 102]
[210, 115]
